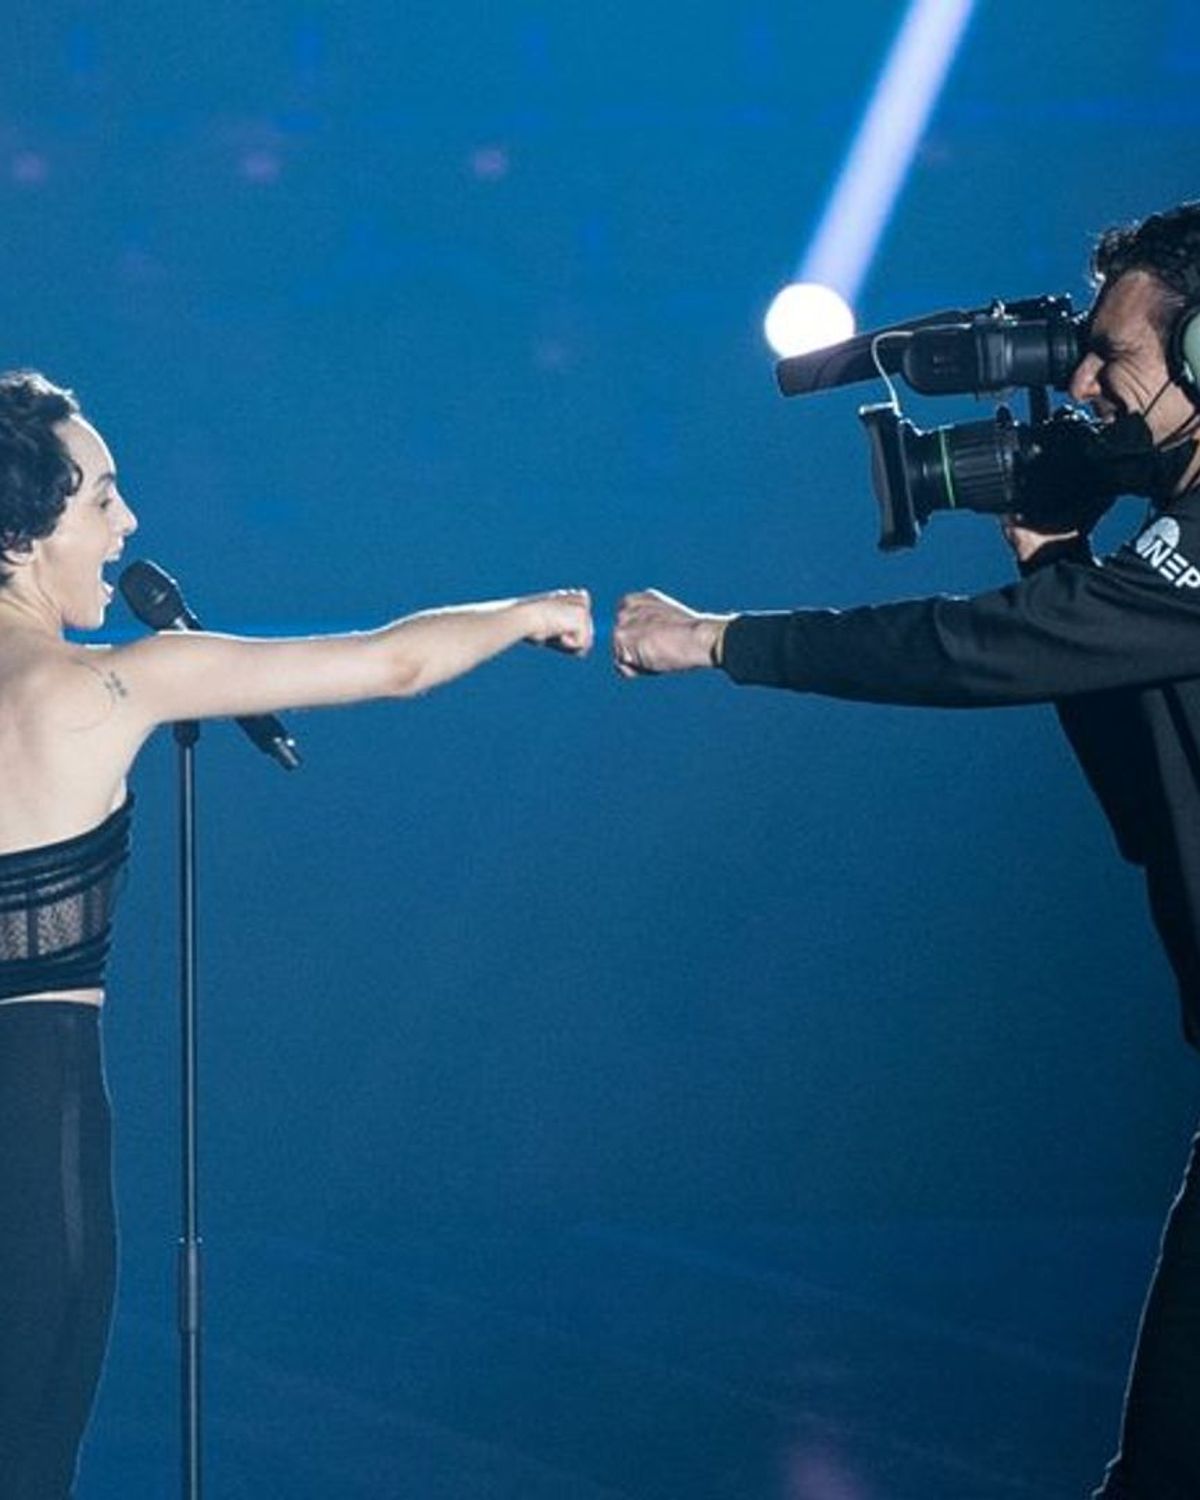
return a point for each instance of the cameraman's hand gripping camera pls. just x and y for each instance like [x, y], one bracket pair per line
[1058, 472]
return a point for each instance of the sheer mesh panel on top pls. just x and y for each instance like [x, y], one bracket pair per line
[56, 905]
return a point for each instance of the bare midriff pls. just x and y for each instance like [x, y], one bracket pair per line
[70, 997]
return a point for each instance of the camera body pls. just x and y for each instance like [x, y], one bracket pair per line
[1058, 471]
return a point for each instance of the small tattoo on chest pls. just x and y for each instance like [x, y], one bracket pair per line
[116, 688]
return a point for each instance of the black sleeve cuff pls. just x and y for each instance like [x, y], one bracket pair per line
[749, 647]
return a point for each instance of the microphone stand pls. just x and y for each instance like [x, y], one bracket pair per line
[186, 735]
[156, 600]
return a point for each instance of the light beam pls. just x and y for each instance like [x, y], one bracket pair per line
[883, 148]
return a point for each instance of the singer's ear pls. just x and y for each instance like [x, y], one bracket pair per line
[17, 552]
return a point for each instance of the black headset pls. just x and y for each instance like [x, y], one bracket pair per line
[1183, 344]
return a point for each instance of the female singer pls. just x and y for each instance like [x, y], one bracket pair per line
[72, 719]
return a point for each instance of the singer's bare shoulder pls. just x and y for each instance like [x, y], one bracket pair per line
[77, 687]
[57, 685]
[105, 680]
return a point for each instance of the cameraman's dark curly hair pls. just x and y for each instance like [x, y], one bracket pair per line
[1167, 245]
[37, 476]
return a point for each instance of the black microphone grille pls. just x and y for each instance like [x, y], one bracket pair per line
[152, 594]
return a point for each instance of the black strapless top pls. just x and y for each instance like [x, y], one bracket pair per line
[56, 905]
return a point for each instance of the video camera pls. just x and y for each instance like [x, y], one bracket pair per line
[1059, 471]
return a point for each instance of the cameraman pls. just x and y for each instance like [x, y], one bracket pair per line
[1115, 645]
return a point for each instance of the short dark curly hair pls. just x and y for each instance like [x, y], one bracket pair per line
[1167, 245]
[37, 475]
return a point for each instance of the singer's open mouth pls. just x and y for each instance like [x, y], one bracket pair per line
[106, 583]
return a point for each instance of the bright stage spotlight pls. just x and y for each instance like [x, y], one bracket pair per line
[807, 316]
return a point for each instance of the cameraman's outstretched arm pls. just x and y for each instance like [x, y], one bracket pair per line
[1073, 627]
[656, 634]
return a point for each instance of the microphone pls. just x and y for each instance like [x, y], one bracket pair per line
[157, 600]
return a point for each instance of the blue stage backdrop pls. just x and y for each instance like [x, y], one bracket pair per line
[387, 306]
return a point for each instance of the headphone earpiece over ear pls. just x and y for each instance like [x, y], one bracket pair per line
[1183, 350]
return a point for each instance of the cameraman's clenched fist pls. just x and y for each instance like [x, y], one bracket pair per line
[654, 633]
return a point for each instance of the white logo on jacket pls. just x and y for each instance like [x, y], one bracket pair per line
[1159, 546]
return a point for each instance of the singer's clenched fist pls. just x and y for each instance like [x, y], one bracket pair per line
[655, 633]
[561, 619]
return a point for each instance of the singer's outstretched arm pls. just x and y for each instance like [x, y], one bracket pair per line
[194, 675]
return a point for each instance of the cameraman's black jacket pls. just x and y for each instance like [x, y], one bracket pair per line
[1114, 644]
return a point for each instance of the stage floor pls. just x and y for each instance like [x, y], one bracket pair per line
[884, 1361]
